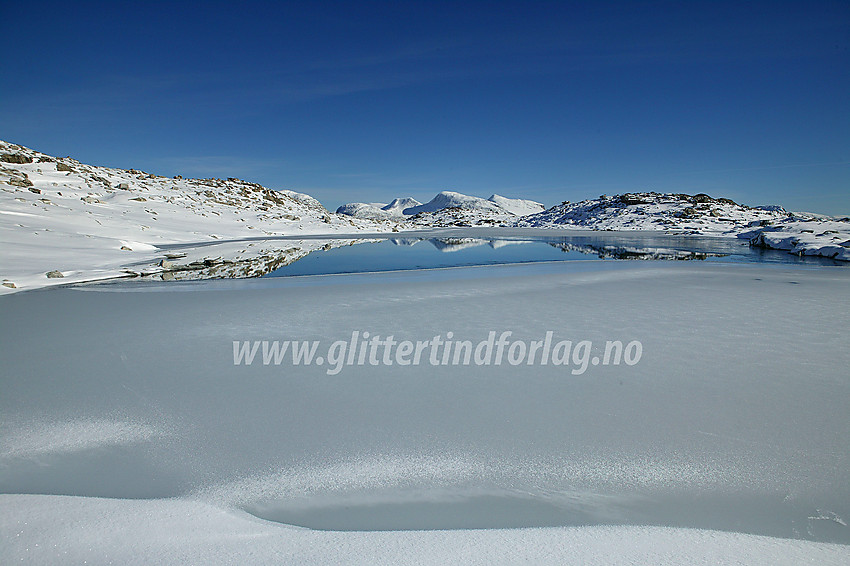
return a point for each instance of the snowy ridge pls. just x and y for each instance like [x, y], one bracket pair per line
[64, 221]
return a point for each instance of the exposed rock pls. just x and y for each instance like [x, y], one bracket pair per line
[21, 182]
[124, 186]
[9, 284]
[55, 274]
[63, 167]
[101, 180]
[626, 199]
[15, 158]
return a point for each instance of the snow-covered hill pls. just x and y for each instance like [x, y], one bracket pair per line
[448, 208]
[698, 214]
[64, 221]
[766, 226]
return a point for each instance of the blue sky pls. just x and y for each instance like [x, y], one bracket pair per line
[364, 101]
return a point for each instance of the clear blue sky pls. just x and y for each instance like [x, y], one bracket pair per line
[362, 101]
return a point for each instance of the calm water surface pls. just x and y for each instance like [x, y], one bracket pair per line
[405, 253]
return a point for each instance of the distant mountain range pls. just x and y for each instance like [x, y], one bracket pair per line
[444, 210]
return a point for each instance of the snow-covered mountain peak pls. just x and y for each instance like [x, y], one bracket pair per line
[402, 203]
[447, 208]
[451, 199]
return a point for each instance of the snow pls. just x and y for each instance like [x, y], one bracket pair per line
[130, 436]
[57, 529]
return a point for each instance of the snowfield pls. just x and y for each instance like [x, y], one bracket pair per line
[129, 435]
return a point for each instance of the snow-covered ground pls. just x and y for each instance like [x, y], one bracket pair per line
[109, 531]
[79, 222]
[129, 435]
[813, 237]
